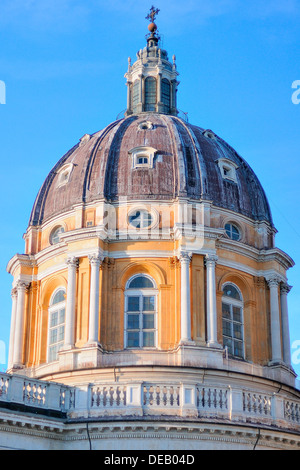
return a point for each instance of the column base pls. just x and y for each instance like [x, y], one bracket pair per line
[214, 345]
[277, 362]
[93, 344]
[187, 342]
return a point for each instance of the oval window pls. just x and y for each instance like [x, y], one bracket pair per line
[55, 235]
[140, 219]
[232, 232]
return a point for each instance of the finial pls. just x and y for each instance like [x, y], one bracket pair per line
[151, 17]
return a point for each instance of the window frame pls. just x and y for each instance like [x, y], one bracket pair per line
[141, 293]
[53, 308]
[239, 304]
[51, 236]
[233, 225]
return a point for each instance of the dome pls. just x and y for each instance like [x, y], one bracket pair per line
[188, 161]
[151, 300]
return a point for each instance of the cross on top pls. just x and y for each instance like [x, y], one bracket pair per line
[153, 13]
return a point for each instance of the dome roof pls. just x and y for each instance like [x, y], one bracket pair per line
[185, 163]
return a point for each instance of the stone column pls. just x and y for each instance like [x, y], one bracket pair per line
[14, 296]
[273, 283]
[185, 260]
[129, 98]
[211, 301]
[284, 290]
[72, 264]
[95, 262]
[19, 324]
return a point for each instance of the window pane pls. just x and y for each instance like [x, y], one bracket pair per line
[165, 95]
[237, 331]
[62, 316]
[149, 304]
[55, 235]
[226, 311]
[53, 336]
[59, 297]
[150, 94]
[140, 283]
[232, 232]
[228, 343]
[148, 339]
[61, 333]
[238, 349]
[237, 314]
[133, 339]
[148, 322]
[135, 219]
[133, 322]
[227, 328]
[54, 319]
[231, 291]
[133, 304]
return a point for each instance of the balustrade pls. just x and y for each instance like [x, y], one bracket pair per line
[174, 399]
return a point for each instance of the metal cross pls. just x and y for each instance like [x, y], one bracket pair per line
[153, 13]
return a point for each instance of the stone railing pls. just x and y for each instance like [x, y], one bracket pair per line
[188, 400]
[45, 396]
[201, 401]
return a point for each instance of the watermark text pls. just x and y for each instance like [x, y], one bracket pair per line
[296, 94]
[2, 92]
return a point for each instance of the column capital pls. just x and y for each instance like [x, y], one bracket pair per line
[22, 285]
[273, 281]
[185, 257]
[72, 262]
[285, 288]
[211, 259]
[96, 259]
[14, 292]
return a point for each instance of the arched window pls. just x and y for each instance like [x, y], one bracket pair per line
[135, 95]
[232, 316]
[150, 94]
[140, 313]
[56, 318]
[166, 95]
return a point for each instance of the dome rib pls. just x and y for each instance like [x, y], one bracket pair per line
[185, 165]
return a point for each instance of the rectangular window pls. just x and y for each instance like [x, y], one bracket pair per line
[233, 336]
[140, 331]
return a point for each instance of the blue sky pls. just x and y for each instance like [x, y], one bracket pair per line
[63, 64]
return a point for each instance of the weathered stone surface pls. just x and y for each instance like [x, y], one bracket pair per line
[185, 165]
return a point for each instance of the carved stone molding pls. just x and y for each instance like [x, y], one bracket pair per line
[211, 260]
[285, 288]
[72, 262]
[96, 259]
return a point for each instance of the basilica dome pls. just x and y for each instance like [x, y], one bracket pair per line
[152, 156]
[151, 301]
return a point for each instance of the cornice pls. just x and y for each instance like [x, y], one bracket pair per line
[20, 260]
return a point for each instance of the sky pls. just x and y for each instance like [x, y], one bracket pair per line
[62, 66]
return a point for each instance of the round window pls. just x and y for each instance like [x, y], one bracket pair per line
[232, 232]
[55, 235]
[140, 219]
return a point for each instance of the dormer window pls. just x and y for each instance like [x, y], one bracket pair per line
[228, 169]
[143, 161]
[64, 174]
[209, 134]
[142, 157]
